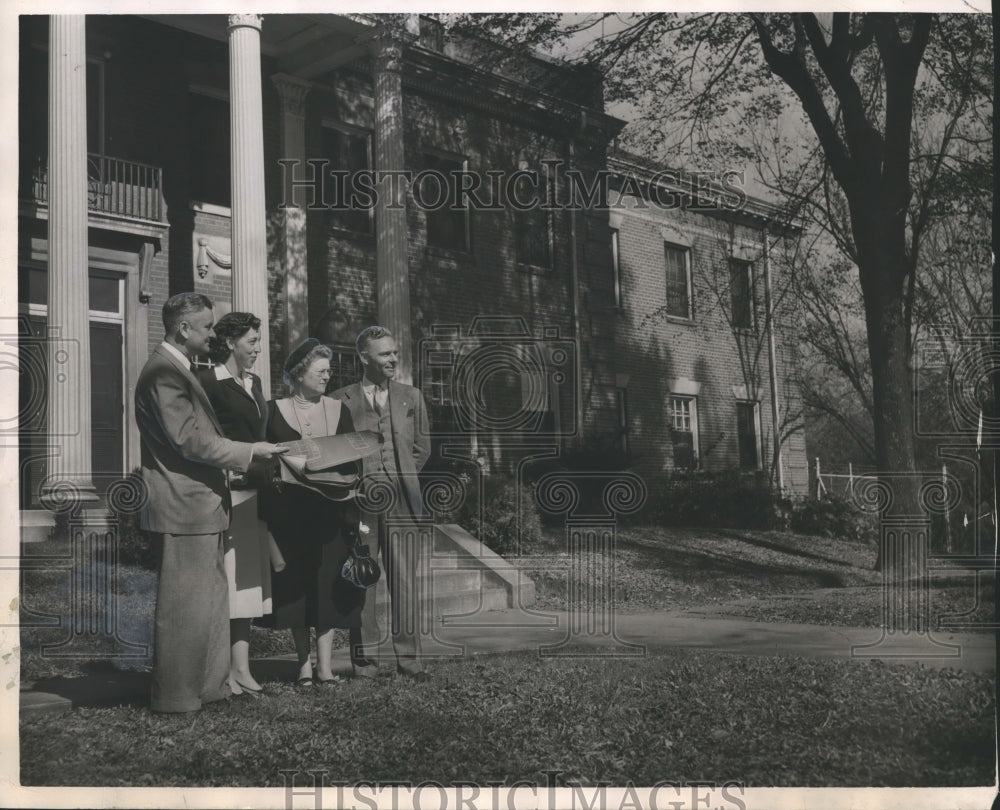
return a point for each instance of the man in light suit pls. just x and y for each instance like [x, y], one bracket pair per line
[398, 414]
[184, 458]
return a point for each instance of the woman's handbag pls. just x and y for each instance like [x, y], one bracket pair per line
[360, 568]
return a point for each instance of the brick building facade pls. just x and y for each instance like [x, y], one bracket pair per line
[510, 318]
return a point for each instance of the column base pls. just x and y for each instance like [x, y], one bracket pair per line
[59, 495]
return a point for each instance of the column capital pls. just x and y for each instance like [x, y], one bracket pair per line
[292, 91]
[395, 32]
[245, 21]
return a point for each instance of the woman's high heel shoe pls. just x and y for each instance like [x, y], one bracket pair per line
[242, 689]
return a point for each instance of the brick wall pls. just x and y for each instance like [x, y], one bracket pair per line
[151, 118]
[653, 348]
[447, 288]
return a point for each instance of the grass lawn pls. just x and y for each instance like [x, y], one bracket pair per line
[766, 576]
[46, 599]
[957, 603]
[680, 715]
[46, 607]
[677, 568]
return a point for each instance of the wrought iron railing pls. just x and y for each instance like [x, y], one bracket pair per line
[117, 187]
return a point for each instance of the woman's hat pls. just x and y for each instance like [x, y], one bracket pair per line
[298, 354]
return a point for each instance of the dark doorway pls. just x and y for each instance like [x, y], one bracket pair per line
[106, 402]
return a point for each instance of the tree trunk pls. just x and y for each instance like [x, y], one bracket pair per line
[882, 272]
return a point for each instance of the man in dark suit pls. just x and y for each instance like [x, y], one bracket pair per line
[398, 414]
[184, 455]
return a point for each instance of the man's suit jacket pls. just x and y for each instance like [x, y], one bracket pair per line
[410, 432]
[184, 453]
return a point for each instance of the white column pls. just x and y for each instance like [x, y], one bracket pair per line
[293, 249]
[249, 234]
[391, 265]
[68, 391]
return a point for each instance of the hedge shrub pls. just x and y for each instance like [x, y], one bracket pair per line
[725, 499]
[833, 516]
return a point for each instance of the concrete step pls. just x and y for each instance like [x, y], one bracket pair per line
[443, 559]
[470, 601]
[450, 591]
[467, 601]
[463, 576]
[448, 581]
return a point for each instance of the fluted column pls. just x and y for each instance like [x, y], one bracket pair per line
[293, 216]
[68, 391]
[392, 268]
[249, 233]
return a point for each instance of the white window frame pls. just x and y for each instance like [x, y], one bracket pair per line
[692, 420]
[455, 157]
[94, 316]
[616, 266]
[685, 250]
[547, 190]
[439, 386]
[369, 136]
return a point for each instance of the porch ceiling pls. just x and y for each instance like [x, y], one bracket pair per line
[305, 45]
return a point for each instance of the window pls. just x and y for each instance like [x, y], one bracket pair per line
[210, 150]
[533, 227]
[538, 396]
[345, 368]
[438, 389]
[534, 391]
[678, 281]
[106, 321]
[747, 432]
[436, 193]
[348, 151]
[437, 385]
[683, 416]
[105, 293]
[621, 399]
[741, 287]
[616, 268]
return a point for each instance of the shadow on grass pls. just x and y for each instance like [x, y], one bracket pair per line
[719, 565]
[757, 540]
[100, 685]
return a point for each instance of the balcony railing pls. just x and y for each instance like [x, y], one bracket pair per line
[121, 188]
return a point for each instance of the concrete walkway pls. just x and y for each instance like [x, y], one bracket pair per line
[555, 633]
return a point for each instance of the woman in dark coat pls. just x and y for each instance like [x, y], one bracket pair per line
[236, 395]
[314, 533]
